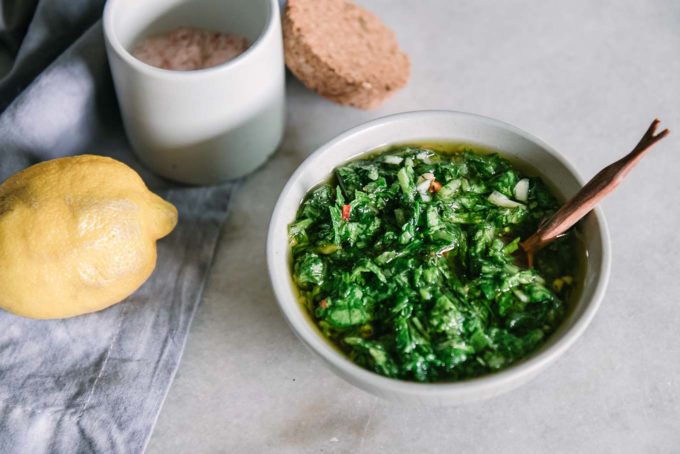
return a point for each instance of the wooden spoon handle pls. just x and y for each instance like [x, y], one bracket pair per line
[591, 194]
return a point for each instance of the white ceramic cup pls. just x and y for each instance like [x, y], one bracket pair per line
[209, 125]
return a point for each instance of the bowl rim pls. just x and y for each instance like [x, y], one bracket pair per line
[112, 39]
[489, 384]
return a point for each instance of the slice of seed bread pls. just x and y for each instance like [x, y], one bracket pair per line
[343, 52]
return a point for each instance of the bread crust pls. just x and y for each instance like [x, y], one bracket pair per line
[343, 52]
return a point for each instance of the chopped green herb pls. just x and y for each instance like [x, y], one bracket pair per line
[409, 261]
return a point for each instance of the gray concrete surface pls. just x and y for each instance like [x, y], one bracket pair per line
[587, 77]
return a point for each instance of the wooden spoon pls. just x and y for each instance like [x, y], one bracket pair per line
[590, 195]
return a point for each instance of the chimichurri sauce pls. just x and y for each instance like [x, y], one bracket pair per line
[408, 261]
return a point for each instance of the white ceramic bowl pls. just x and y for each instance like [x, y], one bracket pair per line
[437, 126]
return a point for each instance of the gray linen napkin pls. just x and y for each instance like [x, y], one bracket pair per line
[93, 383]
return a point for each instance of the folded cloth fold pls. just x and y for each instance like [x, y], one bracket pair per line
[93, 383]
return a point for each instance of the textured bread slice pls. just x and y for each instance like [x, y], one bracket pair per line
[343, 52]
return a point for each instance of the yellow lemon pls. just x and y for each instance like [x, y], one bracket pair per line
[77, 235]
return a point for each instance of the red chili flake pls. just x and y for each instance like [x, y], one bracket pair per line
[435, 186]
[345, 212]
[323, 303]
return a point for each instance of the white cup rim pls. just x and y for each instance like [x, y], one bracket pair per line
[120, 50]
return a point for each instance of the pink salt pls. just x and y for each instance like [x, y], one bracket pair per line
[186, 49]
